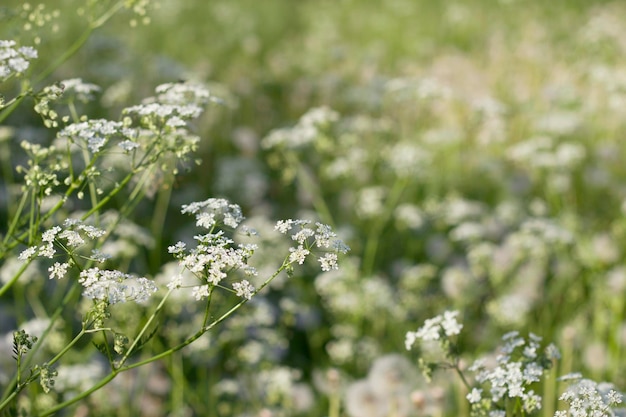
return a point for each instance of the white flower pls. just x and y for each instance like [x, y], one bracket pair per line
[474, 396]
[176, 282]
[328, 262]
[176, 249]
[200, 292]
[115, 286]
[410, 339]
[27, 253]
[58, 270]
[430, 329]
[298, 254]
[450, 326]
[244, 289]
[128, 145]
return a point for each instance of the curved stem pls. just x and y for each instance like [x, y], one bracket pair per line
[144, 329]
[13, 280]
[10, 389]
[80, 41]
[161, 355]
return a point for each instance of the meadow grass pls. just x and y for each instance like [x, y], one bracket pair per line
[469, 153]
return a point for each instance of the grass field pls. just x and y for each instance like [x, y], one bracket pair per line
[470, 153]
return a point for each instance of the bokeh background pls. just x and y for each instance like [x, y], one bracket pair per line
[471, 153]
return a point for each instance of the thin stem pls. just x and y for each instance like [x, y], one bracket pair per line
[80, 41]
[144, 329]
[68, 347]
[10, 389]
[161, 355]
[460, 374]
[13, 280]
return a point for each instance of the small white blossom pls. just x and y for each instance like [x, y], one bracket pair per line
[50, 234]
[72, 237]
[47, 251]
[115, 286]
[298, 254]
[200, 292]
[176, 282]
[58, 270]
[474, 396]
[244, 289]
[128, 145]
[84, 91]
[410, 339]
[27, 253]
[328, 262]
[450, 326]
[176, 249]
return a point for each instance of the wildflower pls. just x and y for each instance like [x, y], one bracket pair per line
[207, 210]
[589, 398]
[128, 145]
[58, 270]
[84, 91]
[244, 289]
[298, 254]
[515, 371]
[200, 292]
[14, 61]
[115, 286]
[434, 328]
[449, 324]
[176, 282]
[177, 249]
[328, 262]
[474, 396]
[27, 253]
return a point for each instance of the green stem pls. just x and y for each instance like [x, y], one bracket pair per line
[108, 198]
[161, 355]
[10, 389]
[80, 41]
[13, 280]
[68, 347]
[460, 374]
[144, 329]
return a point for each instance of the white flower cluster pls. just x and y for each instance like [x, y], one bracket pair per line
[14, 60]
[309, 238]
[215, 255]
[587, 398]
[95, 133]
[183, 93]
[174, 106]
[83, 91]
[73, 234]
[115, 286]
[213, 210]
[518, 366]
[304, 132]
[433, 329]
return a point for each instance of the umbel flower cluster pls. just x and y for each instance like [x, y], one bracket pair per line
[216, 255]
[14, 60]
[507, 383]
[71, 239]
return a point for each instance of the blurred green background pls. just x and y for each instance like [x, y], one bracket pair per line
[475, 163]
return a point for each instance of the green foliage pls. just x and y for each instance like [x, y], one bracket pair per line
[468, 152]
